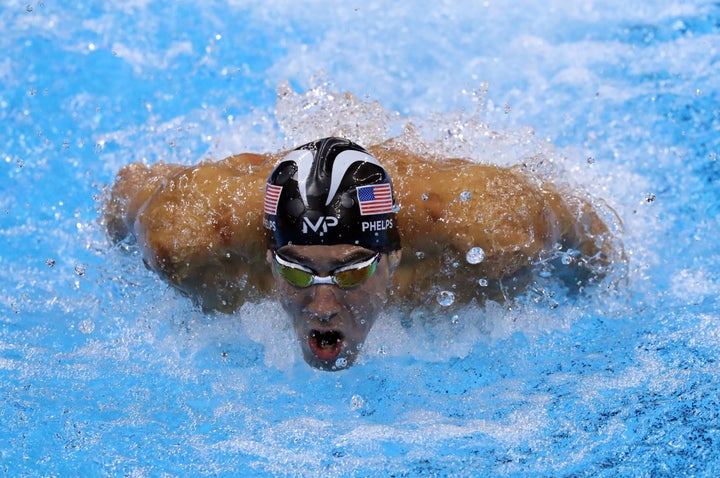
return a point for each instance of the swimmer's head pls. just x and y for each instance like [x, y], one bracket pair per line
[329, 192]
[333, 244]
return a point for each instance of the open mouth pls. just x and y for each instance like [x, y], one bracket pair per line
[325, 345]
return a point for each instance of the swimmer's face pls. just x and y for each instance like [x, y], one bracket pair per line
[332, 322]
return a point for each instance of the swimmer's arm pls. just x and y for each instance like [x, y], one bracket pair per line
[451, 206]
[581, 229]
[199, 227]
[134, 184]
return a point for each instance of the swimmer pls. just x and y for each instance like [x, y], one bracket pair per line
[321, 226]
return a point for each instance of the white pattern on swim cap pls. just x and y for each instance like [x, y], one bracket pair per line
[304, 160]
[342, 162]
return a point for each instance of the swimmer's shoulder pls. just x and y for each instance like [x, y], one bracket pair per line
[255, 164]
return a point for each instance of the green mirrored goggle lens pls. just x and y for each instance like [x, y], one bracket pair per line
[353, 277]
[296, 277]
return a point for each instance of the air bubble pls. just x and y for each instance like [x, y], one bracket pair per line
[80, 270]
[50, 263]
[483, 282]
[341, 363]
[569, 256]
[425, 197]
[455, 319]
[465, 196]
[475, 255]
[445, 298]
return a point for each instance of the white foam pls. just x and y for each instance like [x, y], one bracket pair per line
[268, 324]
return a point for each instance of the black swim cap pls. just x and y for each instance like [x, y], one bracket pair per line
[327, 192]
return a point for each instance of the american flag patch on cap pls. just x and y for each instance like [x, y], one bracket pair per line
[375, 199]
[272, 197]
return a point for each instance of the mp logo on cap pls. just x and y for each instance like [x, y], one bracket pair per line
[323, 222]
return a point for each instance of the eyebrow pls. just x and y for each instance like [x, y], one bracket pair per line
[357, 255]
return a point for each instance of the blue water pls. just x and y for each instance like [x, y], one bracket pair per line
[105, 371]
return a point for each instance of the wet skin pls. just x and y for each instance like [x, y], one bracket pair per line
[332, 323]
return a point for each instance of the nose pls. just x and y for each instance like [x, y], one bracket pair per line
[324, 304]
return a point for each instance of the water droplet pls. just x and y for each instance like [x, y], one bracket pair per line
[357, 402]
[455, 319]
[567, 259]
[86, 326]
[650, 197]
[425, 197]
[590, 160]
[341, 363]
[483, 282]
[475, 255]
[445, 298]
[420, 255]
[80, 270]
[50, 262]
[465, 196]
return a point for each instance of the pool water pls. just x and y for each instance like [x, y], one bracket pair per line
[105, 371]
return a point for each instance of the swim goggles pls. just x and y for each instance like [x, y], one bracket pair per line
[345, 276]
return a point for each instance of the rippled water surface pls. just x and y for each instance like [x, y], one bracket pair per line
[105, 371]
